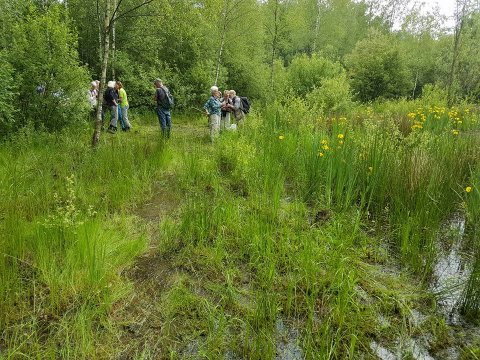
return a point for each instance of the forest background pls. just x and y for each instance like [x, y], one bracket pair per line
[330, 53]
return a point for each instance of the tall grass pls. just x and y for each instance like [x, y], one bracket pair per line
[471, 296]
[63, 241]
[309, 187]
[289, 219]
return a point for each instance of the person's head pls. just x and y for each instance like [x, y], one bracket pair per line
[232, 93]
[119, 85]
[214, 90]
[157, 83]
[93, 85]
[111, 84]
[226, 94]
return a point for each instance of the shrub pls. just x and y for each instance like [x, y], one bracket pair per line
[377, 69]
[307, 73]
[50, 80]
[7, 95]
[334, 96]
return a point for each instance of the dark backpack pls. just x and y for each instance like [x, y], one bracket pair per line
[244, 104]
[169, 101]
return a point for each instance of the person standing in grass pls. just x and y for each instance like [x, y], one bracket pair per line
[226, 110]
[213, 109]
[237, 108]
[93, 97]
[164, 101]
[123, 103]
[111, 101]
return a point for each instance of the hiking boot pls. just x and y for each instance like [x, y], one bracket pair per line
[112, 129]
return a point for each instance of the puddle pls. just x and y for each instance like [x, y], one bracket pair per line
[450, 274]
[417, 350]
[409, 348]
[287, 342]
[381, 352]
[451, 271]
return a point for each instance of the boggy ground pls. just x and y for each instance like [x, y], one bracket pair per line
[196, 298]
[241, 249]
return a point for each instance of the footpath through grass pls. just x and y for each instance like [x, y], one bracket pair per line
[289, 239]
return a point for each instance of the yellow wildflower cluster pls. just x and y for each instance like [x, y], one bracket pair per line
[324, 146]
[418, 118]
[422, 115]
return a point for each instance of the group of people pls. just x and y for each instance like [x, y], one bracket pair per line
[115, 99]
[220, 110]
[225, 112]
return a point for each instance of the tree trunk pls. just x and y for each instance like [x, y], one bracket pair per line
[274, 46]
[113, 43]
[415, 85]
[317, 26]
[222, 41]
[219, 58]
[456, 48]
[105, 51]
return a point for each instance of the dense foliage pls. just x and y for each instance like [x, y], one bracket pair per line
[266, 50]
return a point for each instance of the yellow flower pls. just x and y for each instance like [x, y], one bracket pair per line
[411, 115]
[320, 154]
[340, 142]
[340, 136]
[324, 142]
[459, 122]
[281, 137]
[417, 126]
[325, 147]
[468, 189]
[455, 132]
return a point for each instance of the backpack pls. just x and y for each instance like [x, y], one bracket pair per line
[169, 99]
[244, 104]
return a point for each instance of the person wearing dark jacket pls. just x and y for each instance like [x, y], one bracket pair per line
[163, 107]
[110, 98]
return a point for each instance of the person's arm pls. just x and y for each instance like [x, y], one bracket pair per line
[207, 107]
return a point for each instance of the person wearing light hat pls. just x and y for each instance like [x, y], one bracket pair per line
[92, 95]
[111, 101]
[164, 101]
[213, 109]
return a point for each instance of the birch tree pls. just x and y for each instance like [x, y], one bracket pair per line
[112, 12]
